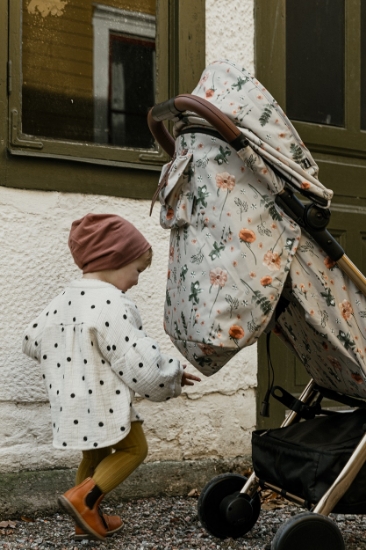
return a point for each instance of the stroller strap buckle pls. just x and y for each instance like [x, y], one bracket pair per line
[294, 404]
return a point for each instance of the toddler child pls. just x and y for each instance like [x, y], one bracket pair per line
[94, 355]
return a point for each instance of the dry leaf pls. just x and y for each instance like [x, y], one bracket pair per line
[28, 520]
[193, 493]
[10, 524]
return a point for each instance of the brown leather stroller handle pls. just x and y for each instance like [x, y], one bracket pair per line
[186, 102]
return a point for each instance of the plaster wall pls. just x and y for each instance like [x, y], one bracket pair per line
[211, 420]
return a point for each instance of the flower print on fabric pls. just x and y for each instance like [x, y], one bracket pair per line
[326, 306]
[215, 261]
[225, 181]
[218, 278]
[236, 252]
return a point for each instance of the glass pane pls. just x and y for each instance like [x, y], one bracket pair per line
[315, 61]
[88, 70]
[131, 98]
[363, 65]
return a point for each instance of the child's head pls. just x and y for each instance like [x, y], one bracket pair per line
[108, 247]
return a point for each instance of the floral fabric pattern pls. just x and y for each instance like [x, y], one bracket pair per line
[234, 252]
[230, 252]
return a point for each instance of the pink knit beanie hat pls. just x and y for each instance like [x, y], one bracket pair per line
[105, 241]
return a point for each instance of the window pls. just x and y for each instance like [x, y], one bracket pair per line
[311, 56]
[84, 75]
[124, 76]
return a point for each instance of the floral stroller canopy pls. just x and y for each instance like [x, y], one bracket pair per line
[234, 252]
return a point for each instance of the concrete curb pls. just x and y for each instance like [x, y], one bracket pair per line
[33, 493]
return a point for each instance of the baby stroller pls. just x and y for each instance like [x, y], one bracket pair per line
[248, 257]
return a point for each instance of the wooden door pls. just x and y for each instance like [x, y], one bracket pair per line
[332, 125]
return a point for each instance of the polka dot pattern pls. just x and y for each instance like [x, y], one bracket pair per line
[95, 353]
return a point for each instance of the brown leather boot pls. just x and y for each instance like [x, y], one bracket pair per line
[113, 524]
[74, 502]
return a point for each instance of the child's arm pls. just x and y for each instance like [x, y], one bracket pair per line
[136, 358]
[187, 378]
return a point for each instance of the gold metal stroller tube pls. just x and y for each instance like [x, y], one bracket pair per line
[353, 273]
[343, 481]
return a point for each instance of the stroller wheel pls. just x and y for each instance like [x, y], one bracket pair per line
[223, 511]
[308, 531]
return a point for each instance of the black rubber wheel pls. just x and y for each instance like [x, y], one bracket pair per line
[308, 531]
[223, 511]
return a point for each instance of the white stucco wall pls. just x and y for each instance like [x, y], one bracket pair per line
[213, 419]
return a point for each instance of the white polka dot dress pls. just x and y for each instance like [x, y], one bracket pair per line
[94, 355]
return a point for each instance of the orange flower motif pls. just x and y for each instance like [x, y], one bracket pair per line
[170, 214]
[334, 362]
[247, 235]
[252, 274]
[207, 349]
[236, 332]
[224, 180]
[329, 263]
[272, 260]
[357, 377]
[210, 93]
[305, 185]
[265, 281]
[346, 309]
[218, 277]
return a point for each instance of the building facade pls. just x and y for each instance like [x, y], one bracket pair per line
[49, 178]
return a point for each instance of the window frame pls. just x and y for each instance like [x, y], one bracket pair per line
[180, 53]
[349, 141]
[104, 25]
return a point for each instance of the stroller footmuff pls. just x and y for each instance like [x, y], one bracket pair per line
[241, 246]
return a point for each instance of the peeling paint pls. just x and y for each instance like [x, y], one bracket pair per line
[47, 7]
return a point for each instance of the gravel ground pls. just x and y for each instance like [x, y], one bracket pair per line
[163, 524]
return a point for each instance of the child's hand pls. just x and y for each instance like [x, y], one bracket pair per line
[187, 378]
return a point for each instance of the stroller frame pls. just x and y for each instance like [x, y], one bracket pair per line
[313, 218]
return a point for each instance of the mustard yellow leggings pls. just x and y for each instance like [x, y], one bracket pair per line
[109, 466]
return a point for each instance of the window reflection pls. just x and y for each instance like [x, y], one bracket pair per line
[89, 70]
[315, 64]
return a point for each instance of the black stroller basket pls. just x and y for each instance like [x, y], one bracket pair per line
[317, 463]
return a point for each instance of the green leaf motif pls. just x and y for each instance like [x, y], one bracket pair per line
[202, 196]
[195, 290]
[328, 297]
[289, 243]
[296, 152]
[262, 302]
[184, 323]
[346, 340]
[216, 252]
[184, 272]
[271, 207]
[177, 331]
[221, 157]
[240, 83]
[168, 300]
[266, 115]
